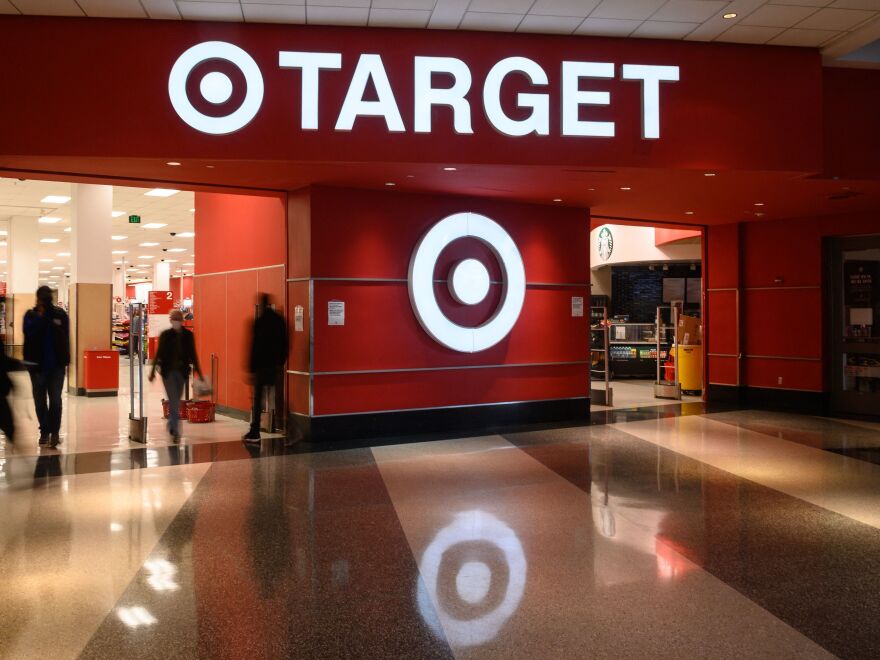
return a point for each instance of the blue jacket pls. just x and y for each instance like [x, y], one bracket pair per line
[47, 338]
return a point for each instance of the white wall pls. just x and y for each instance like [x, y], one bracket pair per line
[636, 245]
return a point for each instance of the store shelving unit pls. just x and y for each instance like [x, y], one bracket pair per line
[121, 330]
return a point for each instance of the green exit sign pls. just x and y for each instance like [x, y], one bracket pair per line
[134, 219]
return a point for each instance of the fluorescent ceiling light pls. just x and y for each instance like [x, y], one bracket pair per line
[55, 199]
[45, 272]
[192, 210]
[155, 225]
[148, 244]
[170, 261]
[176, 249]
[49, 219]
[46, 261]
[50, 240]
[118, 238]
[185, 234]
[68, 229]
[189, 264]
[63, 254]
[160, 192]
[116, 214]
[57, 267]
[120, 252]
[143, 265]
[3, 243]
[146, 256]
[3, 232]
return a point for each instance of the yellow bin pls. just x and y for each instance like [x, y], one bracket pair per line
[690, 365]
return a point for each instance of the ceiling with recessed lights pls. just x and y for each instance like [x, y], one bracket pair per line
[838, 27]
[160, 216]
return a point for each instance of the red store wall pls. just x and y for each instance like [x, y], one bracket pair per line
[240, 251]
[360, 245]
[181, 287]
[776, 270]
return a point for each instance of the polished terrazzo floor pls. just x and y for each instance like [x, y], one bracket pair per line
[655, 531]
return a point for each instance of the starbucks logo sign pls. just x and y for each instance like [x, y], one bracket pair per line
[606, 243]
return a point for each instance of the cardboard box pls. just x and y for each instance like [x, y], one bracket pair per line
[689, 331]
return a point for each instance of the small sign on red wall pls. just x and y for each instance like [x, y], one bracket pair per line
[160, 302]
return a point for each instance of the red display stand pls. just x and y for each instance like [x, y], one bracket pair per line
[101, 369]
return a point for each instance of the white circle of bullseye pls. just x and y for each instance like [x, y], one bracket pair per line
[216, 87]
[473, 581]
[421, 282]
[469, 282]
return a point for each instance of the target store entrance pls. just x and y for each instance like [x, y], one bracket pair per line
[432, 218]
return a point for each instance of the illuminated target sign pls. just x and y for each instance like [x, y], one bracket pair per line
[468, 282]
[215, 87]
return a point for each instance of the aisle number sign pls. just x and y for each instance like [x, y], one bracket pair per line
[160, 302]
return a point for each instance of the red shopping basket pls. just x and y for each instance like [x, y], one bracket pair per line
[201, 412]
[184, 409]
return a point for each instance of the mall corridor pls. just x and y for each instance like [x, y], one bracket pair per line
[668, 531]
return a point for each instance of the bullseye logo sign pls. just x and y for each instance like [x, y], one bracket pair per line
[468, 282]
[215, 87]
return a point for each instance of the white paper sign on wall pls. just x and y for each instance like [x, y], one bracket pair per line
[298, 318]
[577, 306]
[335, 312]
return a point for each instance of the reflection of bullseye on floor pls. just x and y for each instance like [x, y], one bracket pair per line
[473, 576]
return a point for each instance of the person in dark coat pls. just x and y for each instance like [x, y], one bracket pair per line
[175, 357]
[47, 352]
[7, 422]
[267, 358]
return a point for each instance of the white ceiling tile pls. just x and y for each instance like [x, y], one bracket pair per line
[607, 27]
[490, 21]
[802, 3]
[7, 8]
[113, 8]
[807, 38]
[264, 13]
[500, 6]
[689, 11]
[750, 34]
[49, 7]
[161, 9]
[210, 11]
[549, 24]
[836, 19]
[425, 5]
[300, 3]
[337, 15]
[448, 14]
[342, 4]
[857, 4]
[630, 9]
[411, 18]
[778, 16]
[664, 30]
[581, 8]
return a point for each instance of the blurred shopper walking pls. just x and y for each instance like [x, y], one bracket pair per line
[47, 353]
[175, 358]
[7, 421]
[267, 358]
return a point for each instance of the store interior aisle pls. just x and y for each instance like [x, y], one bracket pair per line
[91, 424]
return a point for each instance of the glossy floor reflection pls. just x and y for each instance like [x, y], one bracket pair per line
[664, 531]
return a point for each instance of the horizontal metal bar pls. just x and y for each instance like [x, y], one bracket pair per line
[466, 405]
[397, 280]
[450, 368]
[240, 270]
[782, 357]
[780, 288]
[724, 355]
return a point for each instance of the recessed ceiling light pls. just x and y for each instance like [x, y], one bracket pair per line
[63, 254]
[390, 183]
[68, 229]
[708, 173]
[173, 163]
[3, 232]
[450, 169]
[143, 265]
[591, 189]
[192, 210]
[46, 261]
[161, 192]
[44, 272]
[148, 244]
[155, 225]
[118, 238]
[57, 267]
[50, 240]
[759, 203]
[185, 234]
[116, 214]
[210, 167]
[170, 261]
[189, 264]
[557, 200]
[625, 188]
[120, 251]
[688, 212]
[176, 250]
[55, 199]
[730, 15]
[49, 219]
